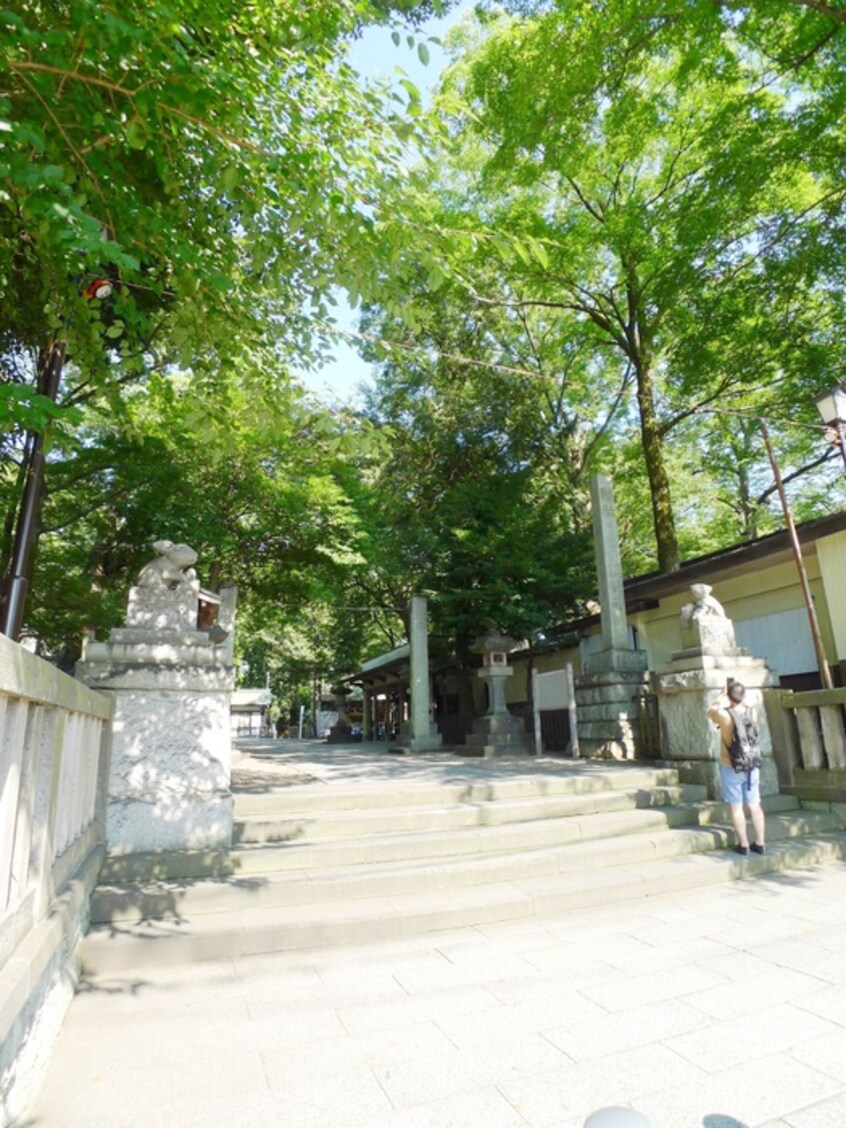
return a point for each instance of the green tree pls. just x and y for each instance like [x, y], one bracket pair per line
[216, 164]
[480, 503]
[660, 211]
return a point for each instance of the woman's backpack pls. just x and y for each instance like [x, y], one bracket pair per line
[745, 748]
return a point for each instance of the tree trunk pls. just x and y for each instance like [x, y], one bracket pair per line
[656, 470]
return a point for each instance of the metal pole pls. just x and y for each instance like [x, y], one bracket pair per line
[841, 439]
[26, 531]
[822, 661]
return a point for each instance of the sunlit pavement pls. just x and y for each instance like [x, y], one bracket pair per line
[715, 1008]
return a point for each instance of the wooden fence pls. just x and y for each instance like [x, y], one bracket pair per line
[810, 739]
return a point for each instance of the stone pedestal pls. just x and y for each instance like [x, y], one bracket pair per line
[169, 786]
[686, 689]
[608, 711]
[497, 735]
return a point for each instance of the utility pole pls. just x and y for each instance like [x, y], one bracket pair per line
[822, 661]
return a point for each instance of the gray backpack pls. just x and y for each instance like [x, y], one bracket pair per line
[745, 748]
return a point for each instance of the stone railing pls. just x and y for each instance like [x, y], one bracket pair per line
[812, 738]
[54, 747]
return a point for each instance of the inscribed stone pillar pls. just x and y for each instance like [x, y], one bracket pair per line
[615, 631]
[612, 682]
[419, 651]
[421, 734]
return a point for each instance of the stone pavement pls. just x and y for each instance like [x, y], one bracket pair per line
[723, 1008]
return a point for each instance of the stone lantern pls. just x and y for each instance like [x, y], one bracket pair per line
[339, 733]
[497, 733]
[494, 647]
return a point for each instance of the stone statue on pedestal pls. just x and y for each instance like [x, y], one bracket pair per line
[705, 624]
[171, 570]
[695, 675]
[171, 681]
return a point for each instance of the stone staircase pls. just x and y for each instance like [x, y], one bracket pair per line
[319, 864]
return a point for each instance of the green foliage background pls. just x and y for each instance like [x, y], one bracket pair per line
[614, 241]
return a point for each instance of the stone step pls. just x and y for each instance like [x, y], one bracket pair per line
[461, 843]
[313, 826]
[572, 777]
[479, 836]
[295, 927]
[596, 842]
[264, 847]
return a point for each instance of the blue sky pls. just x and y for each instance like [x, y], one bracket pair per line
[376, 56]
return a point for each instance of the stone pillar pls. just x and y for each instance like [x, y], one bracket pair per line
[420, 735]
[367, 713]
[171, 685]
[419, 654]
[609, 569]
[613, 679]
[692, 681]
[226, 621]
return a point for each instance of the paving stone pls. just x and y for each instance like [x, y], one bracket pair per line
[800, 955]
[623, 1078]
[775, 1086]
[637, 990]
[382, 1049]
[733, 999]
[449, 1074]
[468, 1110]
[597, 1037]
[430, 1005]
[828, 1002]
[724, 1045]
[827, 1053]
[825, 1114]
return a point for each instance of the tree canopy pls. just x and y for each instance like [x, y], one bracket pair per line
[614, 241]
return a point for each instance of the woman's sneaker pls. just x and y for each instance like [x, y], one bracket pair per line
[758, 848]
[742, 850]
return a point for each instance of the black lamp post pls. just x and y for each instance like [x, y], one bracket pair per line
[50, 366]
[832, 408]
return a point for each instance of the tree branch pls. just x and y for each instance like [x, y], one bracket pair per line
[829, 454]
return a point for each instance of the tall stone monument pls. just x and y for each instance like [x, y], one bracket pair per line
[613, 678]
[169, 786]
[421, 734]
[691, 682]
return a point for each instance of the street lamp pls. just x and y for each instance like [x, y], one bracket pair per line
[832, 408]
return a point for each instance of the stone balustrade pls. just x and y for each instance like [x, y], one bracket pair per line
[54, 747]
